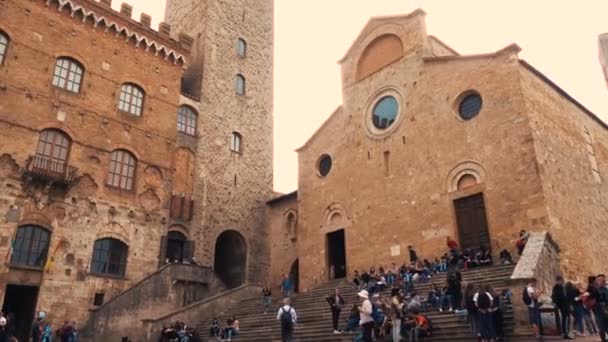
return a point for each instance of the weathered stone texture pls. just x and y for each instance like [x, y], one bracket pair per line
[231, 188]
[575, 187]
[172, 287]
[90, 210]
[283, 232]
[397, 188]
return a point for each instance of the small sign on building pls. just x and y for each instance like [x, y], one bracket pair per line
[396, 250]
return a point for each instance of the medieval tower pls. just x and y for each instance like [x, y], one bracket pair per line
[229, 84]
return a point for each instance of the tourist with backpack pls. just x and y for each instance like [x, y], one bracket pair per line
[483, 300]
[336, 302]
[366, 321]
[530, 297]
[288, 318]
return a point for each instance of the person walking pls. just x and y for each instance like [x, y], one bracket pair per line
[559, 296]
[483, 300]
[286, 286]
[413, 255]
[288, 318]
[266, 298]
[530, 298]
[366, 321]
[336, 302]
[397, 304]
[600, 293]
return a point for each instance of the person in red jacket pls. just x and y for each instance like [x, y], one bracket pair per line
[452, 244]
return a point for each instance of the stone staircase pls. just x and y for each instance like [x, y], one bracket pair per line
[314, 316]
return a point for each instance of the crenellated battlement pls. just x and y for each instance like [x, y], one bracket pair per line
[100, 15]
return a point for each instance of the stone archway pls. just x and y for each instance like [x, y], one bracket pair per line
[230, 263]
[294, 275]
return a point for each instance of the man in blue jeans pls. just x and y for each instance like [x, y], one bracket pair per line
[533, 308]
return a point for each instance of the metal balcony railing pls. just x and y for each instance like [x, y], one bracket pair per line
[43, 168]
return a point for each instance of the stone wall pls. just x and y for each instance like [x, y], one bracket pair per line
[87, 209]
[397, 188]
[231, 188]
[571, 147]
[202, 311]
[540, 260]
[170, 288]
[283, 235]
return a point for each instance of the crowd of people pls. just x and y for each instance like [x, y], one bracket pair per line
[178, 332]
[582, 310]
[42, 331]
[226, 332]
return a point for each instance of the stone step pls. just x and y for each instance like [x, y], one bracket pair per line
[314, 315]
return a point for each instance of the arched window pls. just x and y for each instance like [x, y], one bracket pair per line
[241, 47]
[3, 46]
[131, 99]
[122, 170]
[31, 246]
[68, 74]
[186, 120]
[53, 151]
[109, 257]
[240, 85]
[236, 142]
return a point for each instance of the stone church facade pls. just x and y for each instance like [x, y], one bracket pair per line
[429, 143]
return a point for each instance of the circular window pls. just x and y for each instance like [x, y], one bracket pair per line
[324, 165]
[470, 106]
[385, 112]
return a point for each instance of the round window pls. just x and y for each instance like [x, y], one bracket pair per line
[470, 106]
[385, 112]
[324, 165]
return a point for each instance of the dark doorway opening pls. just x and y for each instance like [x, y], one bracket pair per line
[294, 275]
[176, 242]
[21, 301]
[472, 222]
[336, 254]
[231, 258]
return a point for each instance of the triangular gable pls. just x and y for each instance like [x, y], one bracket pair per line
[374, 22]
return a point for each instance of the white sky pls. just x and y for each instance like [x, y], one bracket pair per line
[557, 37]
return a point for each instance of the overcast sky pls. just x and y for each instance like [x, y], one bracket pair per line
[558, 37]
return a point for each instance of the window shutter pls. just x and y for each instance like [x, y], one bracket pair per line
[162, 254]
[188, 250]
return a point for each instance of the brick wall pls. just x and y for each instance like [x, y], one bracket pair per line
[88, 210]
[231, 188]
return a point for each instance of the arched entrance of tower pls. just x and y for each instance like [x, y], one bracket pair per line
[294, 275]
[230, 263]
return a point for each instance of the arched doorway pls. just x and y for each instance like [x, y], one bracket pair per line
[231, 258]
[294, 275]
[176, 245]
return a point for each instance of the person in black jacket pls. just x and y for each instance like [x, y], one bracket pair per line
[600, 294]
[559, 296]
[336, 302]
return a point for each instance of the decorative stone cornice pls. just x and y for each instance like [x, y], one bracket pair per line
[155, 42]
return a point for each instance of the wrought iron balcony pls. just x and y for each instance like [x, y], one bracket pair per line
[45, 169]
[181, 207]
